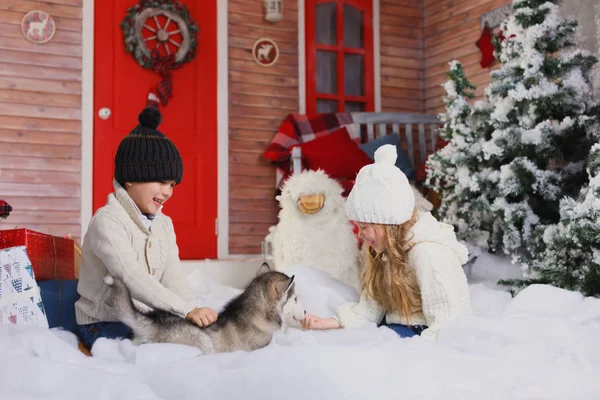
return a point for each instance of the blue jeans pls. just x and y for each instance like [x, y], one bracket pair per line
[404, 331]
[89, 333]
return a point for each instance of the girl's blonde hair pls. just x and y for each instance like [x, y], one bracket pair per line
[386, 277]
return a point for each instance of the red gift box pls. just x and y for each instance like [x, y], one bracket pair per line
[51, 257]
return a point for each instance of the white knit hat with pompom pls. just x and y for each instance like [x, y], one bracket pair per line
[381, 194]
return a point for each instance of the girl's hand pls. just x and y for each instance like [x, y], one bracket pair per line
[314, 322]
[202, 317]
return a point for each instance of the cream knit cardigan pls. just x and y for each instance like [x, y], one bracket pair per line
[437, 259]
[117, 243]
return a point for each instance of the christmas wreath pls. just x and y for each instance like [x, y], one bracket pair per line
[161, 36]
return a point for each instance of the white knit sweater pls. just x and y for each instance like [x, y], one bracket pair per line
[437, 259]
[147, 260]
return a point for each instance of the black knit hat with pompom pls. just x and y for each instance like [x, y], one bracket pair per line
[147, 155]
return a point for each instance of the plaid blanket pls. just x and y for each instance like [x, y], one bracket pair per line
[299, 128]
[5, 209]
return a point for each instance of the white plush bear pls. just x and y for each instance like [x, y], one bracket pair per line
[313, 229]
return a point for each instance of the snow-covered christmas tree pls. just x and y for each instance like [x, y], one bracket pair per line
[444, 165]
[534, 130]
[455, 171]
[542, 113]
[567, 254]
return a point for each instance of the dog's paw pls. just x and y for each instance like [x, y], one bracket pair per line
[109, 280]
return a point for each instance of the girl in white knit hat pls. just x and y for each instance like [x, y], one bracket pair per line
[412, 276]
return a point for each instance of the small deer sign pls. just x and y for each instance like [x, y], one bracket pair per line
[265, 52]
[38, 26]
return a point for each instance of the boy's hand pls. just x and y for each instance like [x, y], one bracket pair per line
[202, 317]
[314, 322]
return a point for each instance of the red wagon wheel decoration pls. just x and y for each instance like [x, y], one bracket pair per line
[161, 36]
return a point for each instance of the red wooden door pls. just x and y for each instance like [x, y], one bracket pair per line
[189, 119]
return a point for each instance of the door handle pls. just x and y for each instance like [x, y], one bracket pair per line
[104, 113]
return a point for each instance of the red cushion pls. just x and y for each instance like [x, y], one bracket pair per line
[336, 154]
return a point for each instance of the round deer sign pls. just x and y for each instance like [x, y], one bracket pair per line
[38, 27]
[265, 52]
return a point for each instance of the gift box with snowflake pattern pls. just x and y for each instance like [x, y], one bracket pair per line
[20, 300]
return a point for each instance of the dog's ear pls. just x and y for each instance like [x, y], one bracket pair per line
[290, 283]
[264, 268]
[282, 287]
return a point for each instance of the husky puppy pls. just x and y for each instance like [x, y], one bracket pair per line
[247, 322]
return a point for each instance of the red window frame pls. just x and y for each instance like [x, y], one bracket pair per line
[366, 6]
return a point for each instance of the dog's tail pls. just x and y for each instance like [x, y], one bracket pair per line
[122, 303]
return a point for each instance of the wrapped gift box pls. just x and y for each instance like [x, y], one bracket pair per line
[20, 300]
[52, 257]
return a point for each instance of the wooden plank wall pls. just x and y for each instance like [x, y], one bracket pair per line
[40, 119]
[259, 99]
[401, 37]
[402, 65]
[451, 28]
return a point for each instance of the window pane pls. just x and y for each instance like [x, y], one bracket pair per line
[326, 106]
[353, 27]
[326, 72]
[354, 106]
[354, 75]
[325, 23]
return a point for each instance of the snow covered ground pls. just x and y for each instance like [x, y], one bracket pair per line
[543, 344]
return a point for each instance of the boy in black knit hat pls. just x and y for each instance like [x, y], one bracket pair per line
[130, 239]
